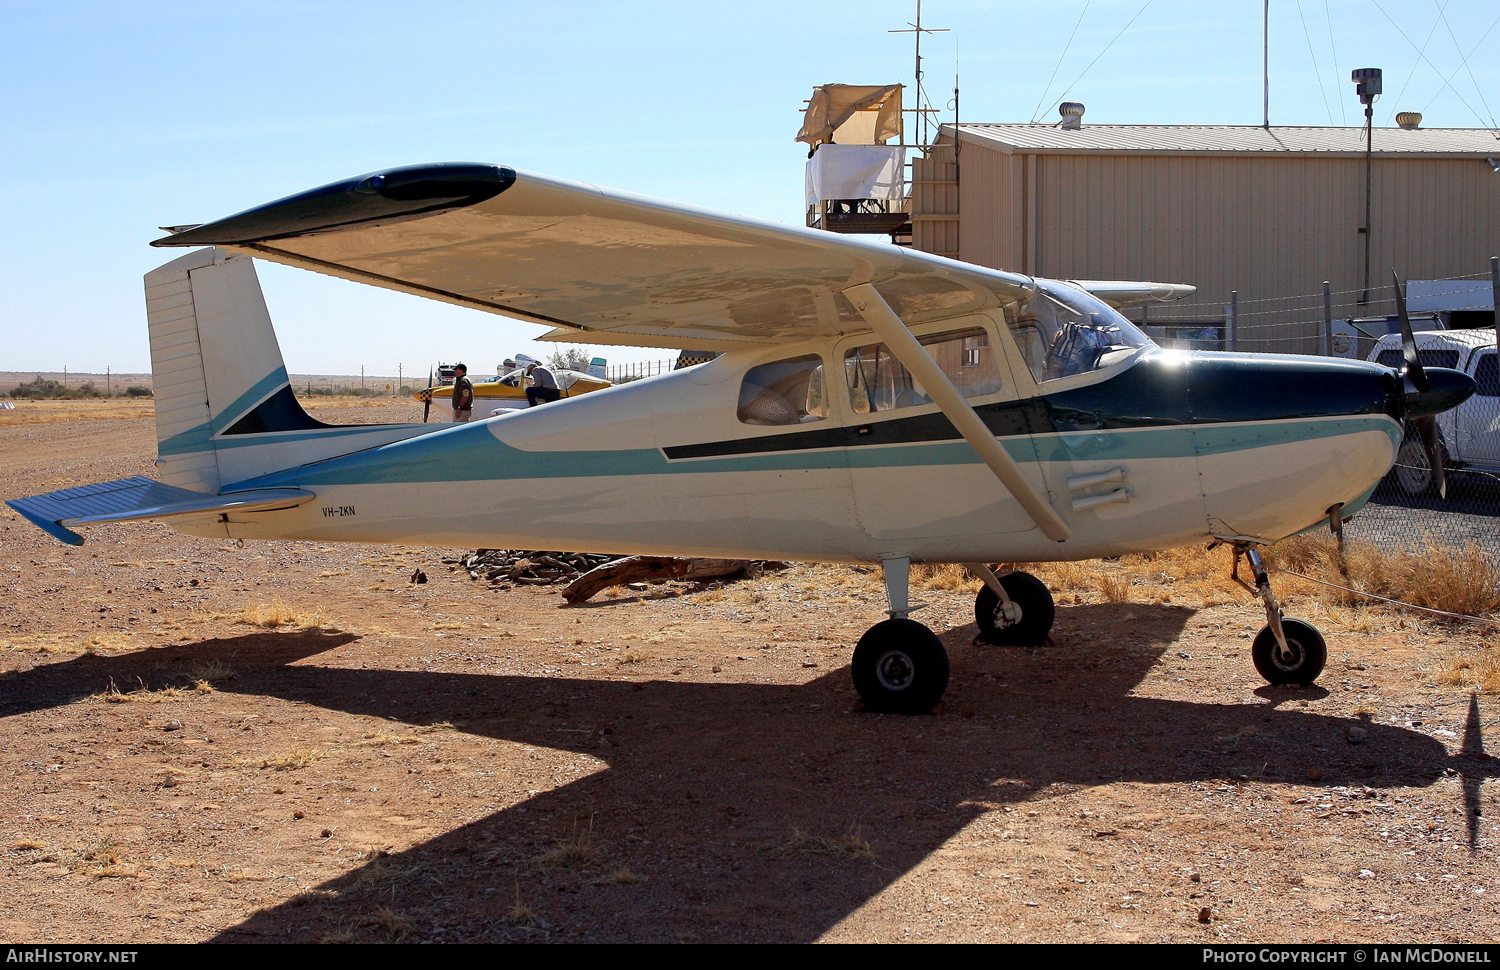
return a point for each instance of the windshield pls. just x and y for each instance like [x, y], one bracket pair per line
[1063, 331]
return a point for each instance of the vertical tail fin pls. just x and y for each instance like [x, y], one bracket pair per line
[225, 411]
[214, 358]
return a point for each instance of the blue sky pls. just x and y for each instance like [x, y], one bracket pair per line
[118, 118]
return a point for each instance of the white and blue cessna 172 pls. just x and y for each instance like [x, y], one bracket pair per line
[872, 404]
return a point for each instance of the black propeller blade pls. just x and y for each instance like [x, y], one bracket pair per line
[1415, 381]
[427, 401]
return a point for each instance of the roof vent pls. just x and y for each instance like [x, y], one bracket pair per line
[1072, 114]
[1410, 120]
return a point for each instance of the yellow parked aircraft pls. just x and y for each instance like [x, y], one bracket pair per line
[508, 392]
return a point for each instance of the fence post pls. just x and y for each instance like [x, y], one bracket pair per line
[1233, 320]
[1325, 340]
[1495, 296]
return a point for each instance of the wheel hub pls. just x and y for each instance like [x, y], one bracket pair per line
[895, 670]
[1292, 662]
[1007, 615]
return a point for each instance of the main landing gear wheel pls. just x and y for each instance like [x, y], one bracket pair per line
[1309, 653]
[1026, 622]
[900, 667]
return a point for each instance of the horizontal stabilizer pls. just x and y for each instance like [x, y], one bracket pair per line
[1123, 293]
[133, 499]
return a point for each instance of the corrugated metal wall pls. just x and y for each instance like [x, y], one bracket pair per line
[934, 196]
[1273, 228]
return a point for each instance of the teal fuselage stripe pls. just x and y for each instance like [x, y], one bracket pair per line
[471, 453]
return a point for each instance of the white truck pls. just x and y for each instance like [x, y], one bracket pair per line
[1470, 433]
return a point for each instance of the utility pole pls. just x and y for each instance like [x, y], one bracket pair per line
[1367, 84]
[400, 376]
[107, 388]
[361, 378]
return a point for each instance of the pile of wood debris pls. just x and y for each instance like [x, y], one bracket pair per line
[588, 573]
[526, 566]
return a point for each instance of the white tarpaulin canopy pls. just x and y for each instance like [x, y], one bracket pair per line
[855, 172]
[832, 105]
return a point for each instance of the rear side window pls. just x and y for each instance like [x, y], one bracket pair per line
[879, 382]
[1438, 358]
[1487, 376]
[1430, 358]
[784, 392]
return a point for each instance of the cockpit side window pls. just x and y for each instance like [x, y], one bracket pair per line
[784, 392]
[879, 382]
[1063, 331]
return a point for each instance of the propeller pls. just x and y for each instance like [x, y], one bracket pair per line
[1415, 381]
[427, 401]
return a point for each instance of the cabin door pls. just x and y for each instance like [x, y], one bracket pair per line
[913, 476]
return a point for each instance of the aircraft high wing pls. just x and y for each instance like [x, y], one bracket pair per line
[873, 404]
[604, 266]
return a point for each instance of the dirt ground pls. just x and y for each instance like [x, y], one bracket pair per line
[287, 741]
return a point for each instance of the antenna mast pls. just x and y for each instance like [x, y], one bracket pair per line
[922, 109]
[1265, 65]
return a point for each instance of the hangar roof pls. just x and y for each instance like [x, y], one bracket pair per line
[1091, 139]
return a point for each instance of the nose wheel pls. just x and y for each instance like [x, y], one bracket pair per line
[1285, 651]
[1303, 660]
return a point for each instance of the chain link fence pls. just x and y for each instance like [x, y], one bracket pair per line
[1406, 508]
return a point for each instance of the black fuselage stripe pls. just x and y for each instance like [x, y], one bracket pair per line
[1155, 392]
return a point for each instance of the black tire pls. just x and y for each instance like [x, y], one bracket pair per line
[1037, 612]
[1412, 472]
[1309, 653]
[900, 667]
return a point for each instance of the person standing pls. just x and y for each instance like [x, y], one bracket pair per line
[463, 394]
[543, 386]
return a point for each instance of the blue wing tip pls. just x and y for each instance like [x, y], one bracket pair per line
[53, 529]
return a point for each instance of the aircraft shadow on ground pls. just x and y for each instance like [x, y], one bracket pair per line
[706, 782]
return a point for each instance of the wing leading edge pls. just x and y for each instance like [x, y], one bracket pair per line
[604, 266]
[623, 268]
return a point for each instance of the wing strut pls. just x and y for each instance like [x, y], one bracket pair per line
[883, 320]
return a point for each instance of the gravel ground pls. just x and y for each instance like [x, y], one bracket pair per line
[448, 762]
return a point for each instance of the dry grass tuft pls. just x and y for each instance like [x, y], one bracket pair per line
[579, 852]
[102, 860]
[396, 924]
[383, 739]
[1114, 588]
[1455, 580]
[211, 672]
[291, 760]
[276, 614]
[26, 845]
[1470, 670]
[943, 576]
[520, 913]
[49, 643]
[619, 877]
[850, 845]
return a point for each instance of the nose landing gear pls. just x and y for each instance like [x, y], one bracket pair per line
[1285, 651]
